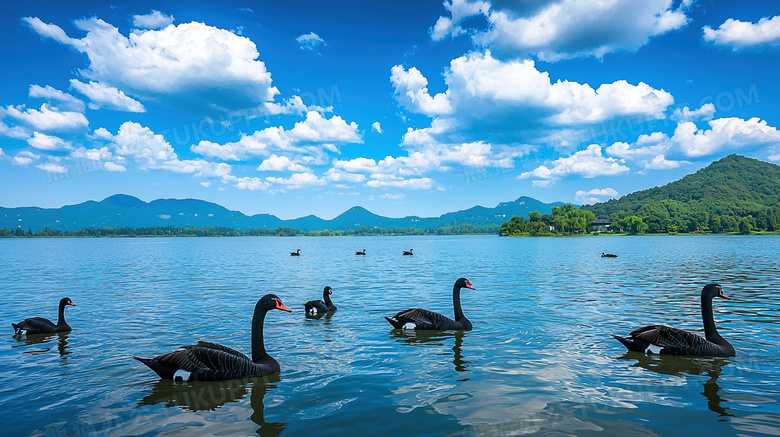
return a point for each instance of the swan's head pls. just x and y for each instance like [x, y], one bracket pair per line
[713, 290]
[66, 301]
[328, 290]
[272, 302]
[464, 283]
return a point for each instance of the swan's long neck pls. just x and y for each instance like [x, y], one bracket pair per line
[61, 314]
[258, 346]
[326, 298]
[456, 304]
[459, 317]
[710, 331]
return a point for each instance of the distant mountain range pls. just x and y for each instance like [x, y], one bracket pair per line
[121, 210]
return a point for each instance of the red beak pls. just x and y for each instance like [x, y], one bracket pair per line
[281, 306]
[469, 286]
[720, 294]
[71, 303]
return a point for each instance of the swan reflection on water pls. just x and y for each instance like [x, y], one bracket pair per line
[326, 316]
[44, 340]
[211, 395]
[686, 366]
[440, 338]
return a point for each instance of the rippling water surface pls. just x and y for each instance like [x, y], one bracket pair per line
[539, 360]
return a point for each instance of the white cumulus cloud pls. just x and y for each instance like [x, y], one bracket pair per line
[387, 180]
[152, 152]
[740, 35]
[420, 159]
[310, 41]
[595, 195]
[730, 133]
[196, 167]
[25, 158]
[222, 73]
[248, 183]
[281, 163]
[706, 112]
[645, 145]
[661, 163]
[297, 180]
[459, 10]
[48, 119]
[153, 20]
[307, 137]
[342, 176]
[411, 90]
[102, 156]
[17, 132]
[51, 167]
[588, 163]
[62, 101]
[479, 86]
[142, 145]
[560, 29]
[48, 142]
[104, 96]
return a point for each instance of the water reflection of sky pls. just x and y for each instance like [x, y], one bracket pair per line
[539, 360]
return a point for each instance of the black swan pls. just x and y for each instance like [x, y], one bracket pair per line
[321, 306]
[39, 325]
[296, 253]
[673, 341]
[213, 362]
[409, 252]
[608, 255]
[361, 253]
[420, 319]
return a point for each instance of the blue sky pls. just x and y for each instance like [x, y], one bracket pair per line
[405, 108]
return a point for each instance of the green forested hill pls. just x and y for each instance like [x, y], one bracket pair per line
[732, 194]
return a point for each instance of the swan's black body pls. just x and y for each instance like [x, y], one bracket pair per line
[321, 306]
[296, 253]
[410, 252]
[361, 253]
[422, 319]
[608, 255]
[673, 341]
[39, 325]
[213, 362]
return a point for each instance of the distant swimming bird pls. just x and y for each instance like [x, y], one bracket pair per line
[321, 306]
[409, 252]
[207, 361]
[421, 319]
[673, 341]
[39, 325]
[608, 255]
[361, 253]
[296, 253]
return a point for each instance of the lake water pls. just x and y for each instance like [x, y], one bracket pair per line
[539, 361]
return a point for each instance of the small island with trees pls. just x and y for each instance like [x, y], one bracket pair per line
[732, 195]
